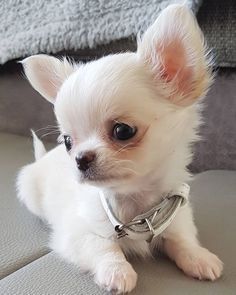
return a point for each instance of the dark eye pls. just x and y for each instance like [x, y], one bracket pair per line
[68, 142]
[123, 131]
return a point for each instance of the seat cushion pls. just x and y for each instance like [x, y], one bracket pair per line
[49, 275]
[23, 236]
[30, 270]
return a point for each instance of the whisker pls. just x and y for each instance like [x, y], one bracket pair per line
[131, 170]
[50, 133]
[121, 149]
[50, 127]
[123, 160]
[117, 162]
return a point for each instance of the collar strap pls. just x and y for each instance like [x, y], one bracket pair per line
[152, 223]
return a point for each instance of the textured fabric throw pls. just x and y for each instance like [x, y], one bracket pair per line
[33, 26]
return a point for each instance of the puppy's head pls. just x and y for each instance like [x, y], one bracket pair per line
[128, 116]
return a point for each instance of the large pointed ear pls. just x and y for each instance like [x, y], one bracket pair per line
[173, 49]
[46, 74]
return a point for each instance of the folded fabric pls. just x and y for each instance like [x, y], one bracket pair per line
[33, 26]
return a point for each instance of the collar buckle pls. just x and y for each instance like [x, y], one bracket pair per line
[151, 223]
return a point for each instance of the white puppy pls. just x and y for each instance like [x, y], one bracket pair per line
[128, 122]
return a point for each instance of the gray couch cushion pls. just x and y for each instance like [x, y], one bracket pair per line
[217, 149]
[49, 275]
[214, 198]
[23, 238]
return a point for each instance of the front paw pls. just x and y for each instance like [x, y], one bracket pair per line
[200, 263]
[119, 277]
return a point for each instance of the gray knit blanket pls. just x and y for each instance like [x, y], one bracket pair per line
[35, 26]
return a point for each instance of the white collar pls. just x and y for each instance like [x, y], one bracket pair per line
[151, 223]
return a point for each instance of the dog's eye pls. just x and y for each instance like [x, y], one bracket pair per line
[68, 142]
[122, 131]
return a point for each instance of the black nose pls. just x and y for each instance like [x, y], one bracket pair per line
[84, 160]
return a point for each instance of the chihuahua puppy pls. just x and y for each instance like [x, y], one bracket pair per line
[128, 122]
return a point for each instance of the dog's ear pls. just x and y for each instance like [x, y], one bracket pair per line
[46, 74]
[173, 48]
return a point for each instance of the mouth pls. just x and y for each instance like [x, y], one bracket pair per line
[94, 177]
[101, 179]
[97, 178]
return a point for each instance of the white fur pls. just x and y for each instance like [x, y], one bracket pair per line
[39, 148]
[159, 95]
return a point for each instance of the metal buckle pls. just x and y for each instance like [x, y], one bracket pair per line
[120, 229]
[151, 229]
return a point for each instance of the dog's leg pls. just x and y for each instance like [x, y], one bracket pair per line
[112, 270]
[103, 257]
[180, 243]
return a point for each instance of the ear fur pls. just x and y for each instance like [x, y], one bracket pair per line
[174, 49]
[46, 74]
